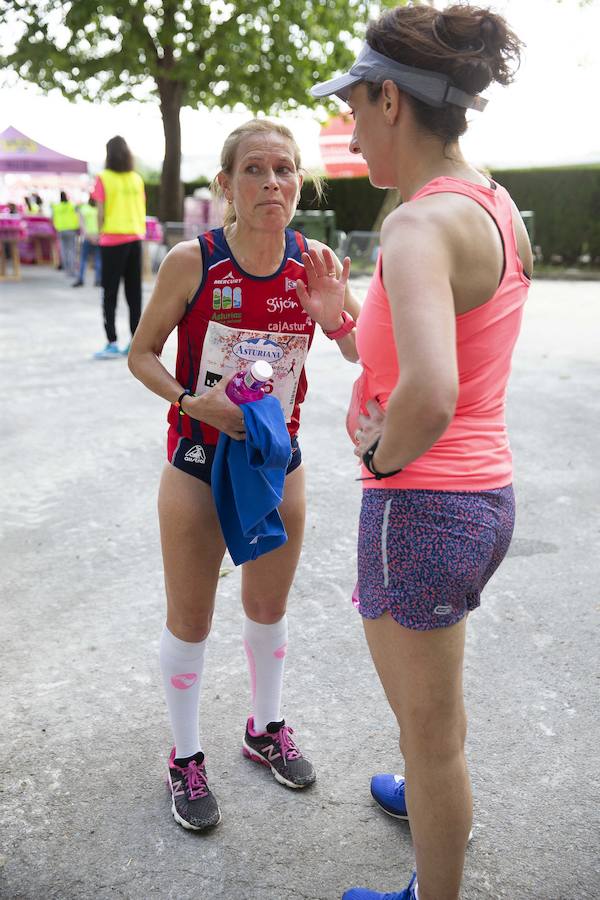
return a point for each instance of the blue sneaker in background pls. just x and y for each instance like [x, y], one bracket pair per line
[365, 894]
[111, 351]
[388, 792]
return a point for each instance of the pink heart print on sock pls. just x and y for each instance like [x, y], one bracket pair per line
[184, 681]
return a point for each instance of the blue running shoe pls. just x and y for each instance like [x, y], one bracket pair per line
[111, 351]
[388, 792]
[365, 894]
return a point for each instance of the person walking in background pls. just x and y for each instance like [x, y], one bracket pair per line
[120, 195]
[88, 228]
[217, 291]
[66, 222]
[435, 336]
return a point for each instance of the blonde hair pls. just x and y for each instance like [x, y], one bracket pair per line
[229, 152]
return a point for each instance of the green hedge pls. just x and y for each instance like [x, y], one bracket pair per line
[566, 203]
[355, 201]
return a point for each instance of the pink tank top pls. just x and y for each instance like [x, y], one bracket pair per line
[473, 454]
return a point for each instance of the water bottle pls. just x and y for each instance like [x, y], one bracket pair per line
[246, 387]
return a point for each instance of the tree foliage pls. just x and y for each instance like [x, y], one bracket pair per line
[264, 54]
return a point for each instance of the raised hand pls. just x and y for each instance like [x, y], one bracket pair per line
[323, 297]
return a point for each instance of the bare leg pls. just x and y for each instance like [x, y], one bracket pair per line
[266, 581]
[193, 548]
[421, 672]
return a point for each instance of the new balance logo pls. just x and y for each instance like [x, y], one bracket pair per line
[195, 454]
[177, 788]
[271, 752]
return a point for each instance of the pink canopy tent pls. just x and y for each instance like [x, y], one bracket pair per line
[334, 141]
[19, 153]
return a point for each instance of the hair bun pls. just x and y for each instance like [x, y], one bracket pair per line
[473, 74]
[473, 30]
[492, 35]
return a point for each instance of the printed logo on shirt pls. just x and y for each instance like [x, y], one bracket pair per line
[290, 284]
[195, 454]
[279, 304]
[226, 316]
[258, 348]
[228, 279]
[212, 378]
[289, 326]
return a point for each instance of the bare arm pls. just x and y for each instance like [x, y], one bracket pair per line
[177, 280]
[416, 276]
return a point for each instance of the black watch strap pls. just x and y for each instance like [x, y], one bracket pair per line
[367, 459]
[186, 393]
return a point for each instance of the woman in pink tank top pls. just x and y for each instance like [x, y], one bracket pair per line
[435, 337]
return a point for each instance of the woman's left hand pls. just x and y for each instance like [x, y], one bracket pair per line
[370, 427]
[323, 299]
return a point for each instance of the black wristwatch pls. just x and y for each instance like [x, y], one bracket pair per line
[367, 459]
[186, 393]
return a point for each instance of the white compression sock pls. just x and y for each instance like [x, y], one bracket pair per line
[181, 664]
[266, 646]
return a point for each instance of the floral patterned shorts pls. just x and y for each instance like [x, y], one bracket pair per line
[425, 556]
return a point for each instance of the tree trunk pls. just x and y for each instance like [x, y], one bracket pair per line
[171, 188]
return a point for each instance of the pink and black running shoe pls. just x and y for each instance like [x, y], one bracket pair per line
[194, 806]
[276, 749]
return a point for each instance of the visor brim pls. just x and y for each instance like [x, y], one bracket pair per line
[339, 86]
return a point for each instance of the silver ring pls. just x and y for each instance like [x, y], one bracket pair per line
[331, 274]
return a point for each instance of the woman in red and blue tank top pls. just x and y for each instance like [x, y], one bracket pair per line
[232, 296]
[435, 338]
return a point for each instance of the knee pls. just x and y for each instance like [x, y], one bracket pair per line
[190, 627]
[433, 735]
[266, 612]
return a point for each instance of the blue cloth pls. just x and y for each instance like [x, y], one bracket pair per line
[247, 482]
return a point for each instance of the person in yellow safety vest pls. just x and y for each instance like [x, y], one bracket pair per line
[88, 222]
[121, 198]
[66, 222]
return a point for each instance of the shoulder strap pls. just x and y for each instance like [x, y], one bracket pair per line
[296, 244]
[494, 199]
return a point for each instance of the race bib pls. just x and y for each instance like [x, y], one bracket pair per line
[227, 350]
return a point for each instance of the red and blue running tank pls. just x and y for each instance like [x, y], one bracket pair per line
[235, 318]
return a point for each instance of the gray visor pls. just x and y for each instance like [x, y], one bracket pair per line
[430, 87]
